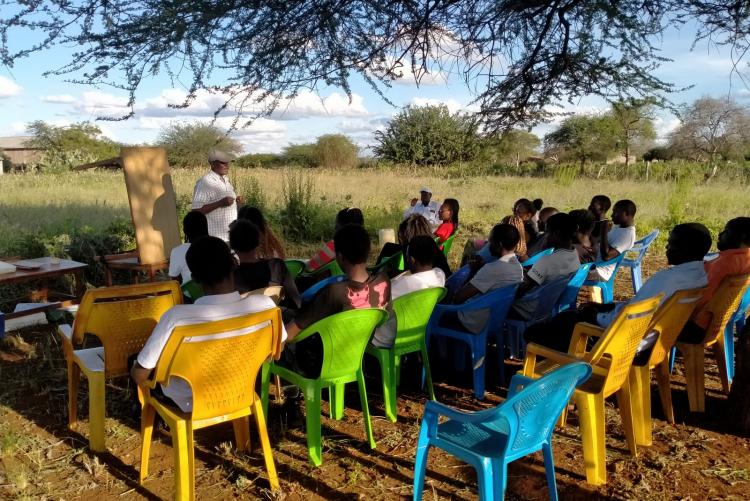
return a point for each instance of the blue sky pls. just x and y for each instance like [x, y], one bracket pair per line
[25, 95]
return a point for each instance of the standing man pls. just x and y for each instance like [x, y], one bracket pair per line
[425, 207]
[214, 195]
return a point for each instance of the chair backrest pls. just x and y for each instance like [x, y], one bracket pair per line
[497, 301]
[546, 297]
[274, 292]
[309, 294]
[531, 414]
[568, 298]
[723, 305]
[390, 263]
[615, 261]
[333, 268]
[412, 313]
[619, 342]
[123, 318]
[449, 243]
[536, 257]
[345, 336]
[294, 267]
[220, 360]
[669, 320]
[743, 308]
[640, 247]
[457, 279]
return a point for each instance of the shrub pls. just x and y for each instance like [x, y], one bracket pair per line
[298, 210]
[258, 160]
[252, 190]
[335, 151]
[188, 144]
[302, 155]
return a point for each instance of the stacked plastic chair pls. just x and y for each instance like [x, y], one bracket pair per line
[638, 252]
[607, 287]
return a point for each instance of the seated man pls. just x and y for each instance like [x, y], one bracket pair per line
[615, 240]
[687, 245]
[194, 226]
[211, 264]
[254, 273]
[423, 274]
[733, 259]
[540, 243]
[359, 290]
[425, 207]
[599, 206]
[563, 262]
[504, 271]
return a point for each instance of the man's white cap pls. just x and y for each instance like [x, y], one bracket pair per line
[219, 156]
[425, 189]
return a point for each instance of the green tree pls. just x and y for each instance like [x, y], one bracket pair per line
[188, 144]
[511, 146]
[69, 146]
[583, 138]
[304, 155]
[336, 151]
[634, 125]
[428, 135]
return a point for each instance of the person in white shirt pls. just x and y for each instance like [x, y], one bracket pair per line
[425, 207]
[214, 195]
[211, 264]
[564, 261]
[504, 271]
[420, 256]
[194, 226]
[615, 240]
[687, 245]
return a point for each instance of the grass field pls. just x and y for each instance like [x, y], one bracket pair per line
[52, 204]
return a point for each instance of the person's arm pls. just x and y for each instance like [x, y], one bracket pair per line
[292, 329]
[607, 252]
[521, 247]
[139, 374]
[212, 206]
[465, 293]
[527, 285]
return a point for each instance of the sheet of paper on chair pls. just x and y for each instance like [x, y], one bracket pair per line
[6, 268]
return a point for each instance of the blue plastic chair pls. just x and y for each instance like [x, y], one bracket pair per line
[457, 280]
[569, 297]
[498, 302]
[546, 297]
[536, 257]
[608, 287]
[309, 294]
[735, 327]
[639, 250]
[492, 438]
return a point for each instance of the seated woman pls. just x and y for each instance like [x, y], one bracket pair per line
[449, 216]
[583, 242]
[413, 226]
[269, 246]
[523, 210]
[348, 215]
[254, 272]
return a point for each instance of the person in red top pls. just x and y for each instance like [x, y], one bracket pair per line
[449, 216]
[327, 253]
[733, 259]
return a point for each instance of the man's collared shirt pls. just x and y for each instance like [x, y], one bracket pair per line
[211, 188]
[429, 211]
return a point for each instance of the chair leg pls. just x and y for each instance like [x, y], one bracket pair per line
[265, 381]
[397, 370]
[724, 354]
[591, 416]
[640, 400]
[147, 429]
[549, 470]
[74, 377]
[312, 419]
[672, 356]
[729, 351]
[694, 357]
[190, 449]
[491, 480]
[478, 353]
[365, 407]
[665, 390]
[420, 463]
[242, 433]
[635, 273]
[625, 406]
[427, 372]
[336, 401]
[388, 369]
[96, 412]
[181, 460]
[608, 293]
[265, 443]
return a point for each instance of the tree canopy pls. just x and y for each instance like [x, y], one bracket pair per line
[65, 147]
[517, 56]
[188, 144]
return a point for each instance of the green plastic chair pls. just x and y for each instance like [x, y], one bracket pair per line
[332, 267]
[294, 267]
[192, 290]
[448, 244]
[394, 263]
[412, 312]
[345, 336]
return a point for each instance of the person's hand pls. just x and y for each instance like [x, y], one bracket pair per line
[475, 263]
[227, 201]
[241, 200]
[414, 202]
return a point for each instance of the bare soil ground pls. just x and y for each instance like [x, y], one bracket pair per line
[40, 458]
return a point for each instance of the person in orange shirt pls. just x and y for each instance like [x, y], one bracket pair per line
[733, 259]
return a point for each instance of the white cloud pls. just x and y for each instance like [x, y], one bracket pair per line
[664, 126]
[9, 88]
[452, 104]
[98, 104]
[59, 99]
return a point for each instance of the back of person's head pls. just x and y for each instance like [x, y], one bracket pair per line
[244, 236]
[423, 250]
[453, 205]
[194, 225]
[523, 206]
[584, 220]
[254, 215]
[537, 203]
[601, 200]
[505, 235]
[413, 226]
[210, 261]
[353, 243]
[562, 227]
[688, 242]
[736, 234]
[350, 215]
[626, 206]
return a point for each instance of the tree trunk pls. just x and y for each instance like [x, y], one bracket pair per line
[627, 154]
[739, 397]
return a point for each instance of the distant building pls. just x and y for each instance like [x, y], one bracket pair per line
[15, 152]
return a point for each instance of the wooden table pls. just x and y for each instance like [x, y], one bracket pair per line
[47, 271]
[130, 261]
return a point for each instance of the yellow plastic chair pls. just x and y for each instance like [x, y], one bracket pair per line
[610, 358]
[668, 322]
[220, 361]
[122, 318]
[722, 306]
[275, 292]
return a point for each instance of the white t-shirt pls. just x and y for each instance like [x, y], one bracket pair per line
[429, 211]
[560, 263]
[177, 264]
[211, 188]
[620, 239]
[495, 275]
[400, 286]
[205, 309]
